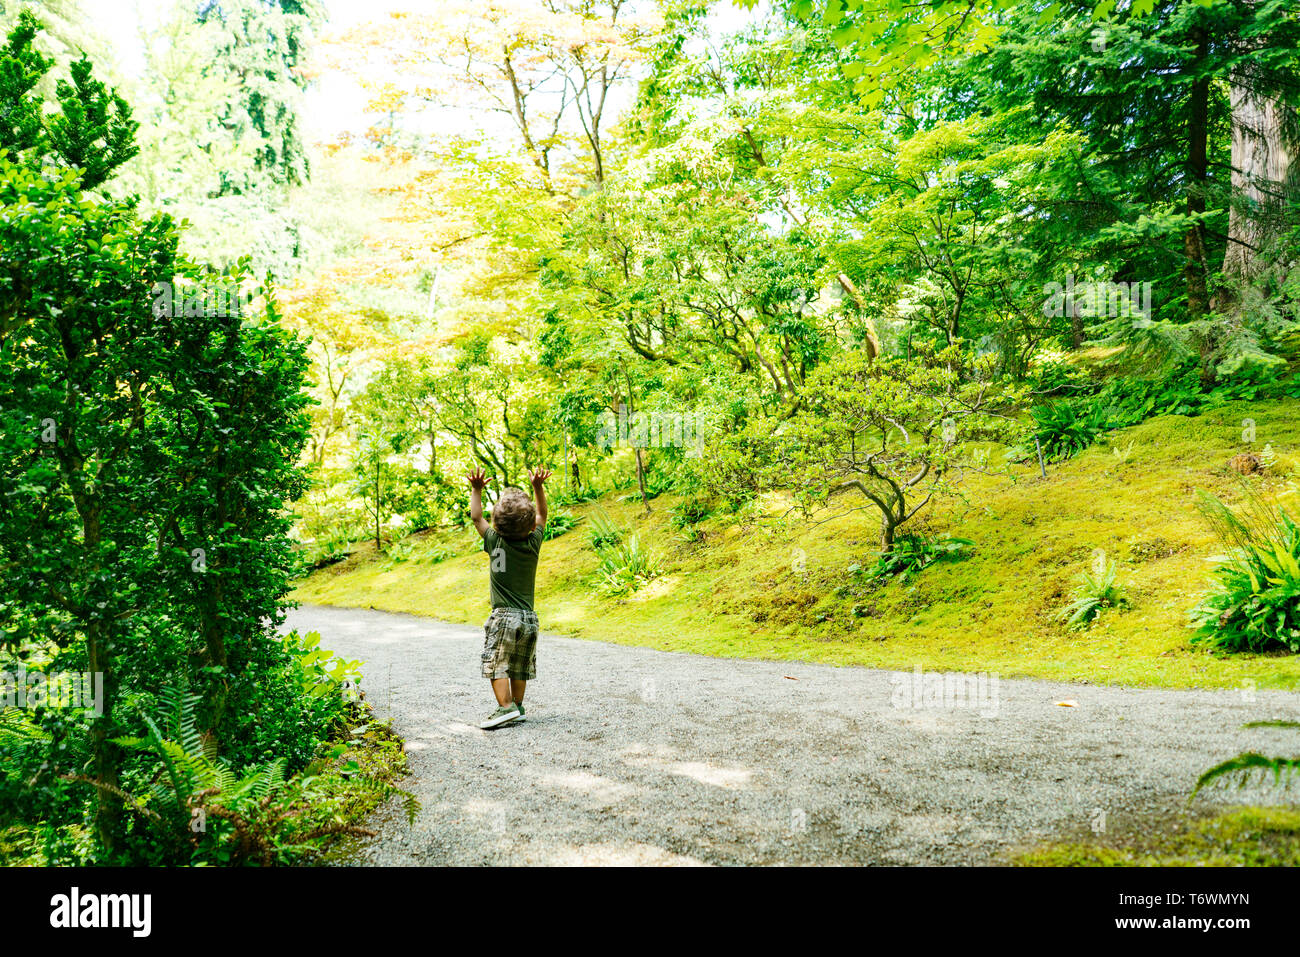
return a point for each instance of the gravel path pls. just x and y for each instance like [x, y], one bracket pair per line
[635, 756]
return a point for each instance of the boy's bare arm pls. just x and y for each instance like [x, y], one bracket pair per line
[476, 483]
[537, 477]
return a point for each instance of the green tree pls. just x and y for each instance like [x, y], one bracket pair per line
[897, 431]
[147, 451]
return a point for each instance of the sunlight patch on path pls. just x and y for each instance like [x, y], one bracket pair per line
[620, 855]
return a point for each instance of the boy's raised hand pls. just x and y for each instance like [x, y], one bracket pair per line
[476, 479]
[538, 476]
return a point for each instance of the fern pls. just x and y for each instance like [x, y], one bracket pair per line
[382, 790]
[190, 764]
[20, 736]
[264, 817]
[1252, 766]
[1097, 590]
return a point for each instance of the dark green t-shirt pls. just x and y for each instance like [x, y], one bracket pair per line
[513, 568]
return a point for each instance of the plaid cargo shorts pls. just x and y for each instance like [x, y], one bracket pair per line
[510, 644]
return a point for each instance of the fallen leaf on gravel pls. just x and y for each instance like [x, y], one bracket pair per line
[1067, 704]
[791, 677]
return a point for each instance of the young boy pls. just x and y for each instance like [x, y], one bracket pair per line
[513, 541]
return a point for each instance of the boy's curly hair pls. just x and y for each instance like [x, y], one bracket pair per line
[514, 516]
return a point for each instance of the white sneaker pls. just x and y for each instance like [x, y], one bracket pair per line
[502, 715]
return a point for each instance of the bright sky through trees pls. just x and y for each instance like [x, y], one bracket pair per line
[336, 102]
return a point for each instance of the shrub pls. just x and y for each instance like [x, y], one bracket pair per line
[690, 512]
[402, 550]
[912, 554]
[1130, 400]
[1066, 428]
[603, 532]
[558, 524]
[328, 549]
[195, 806]
[894, 433]
[625, 566]
[578, 496]
[1097, 590]
[289, 706]
[1055, 375]
[1257, 604]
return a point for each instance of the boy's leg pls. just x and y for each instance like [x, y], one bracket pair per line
[501, 688]
[523, 659]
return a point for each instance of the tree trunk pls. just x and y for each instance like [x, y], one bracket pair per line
[108, 806]
[640, 481]
[872, 343]
[1194, 269]
[1261, 174]
[640, 466]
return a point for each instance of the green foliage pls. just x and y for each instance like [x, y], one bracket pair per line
[898, 431]
[625, 565]
[1066, 427]
[334, 546]
[1256, 607]
[689, 512]
[92, 130]
[578, 496]
[913, 553]
[602, 532]
[148, 458]
[201, 808]
[1056, 375]
[1252, 767]
[1130, 400]
[1097, 591]
[262, 44]
[557, 523]
[321, 672]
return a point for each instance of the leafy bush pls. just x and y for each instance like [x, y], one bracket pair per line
[423, 500]
[1257, 604]
[1056, 375]
[578, 496]
[1067, 427]
[894, 433]
[402, 550]
[199, 807]
[440, 552]
[1097, 590]
[320, 671]
[558, 524]
[625, 566]
[602, 532]
[1130, 400]
[692, 511]
[176, 560]
[287, 706]
[332, 548]
[912, 554]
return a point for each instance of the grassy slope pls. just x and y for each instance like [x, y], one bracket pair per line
[737, 593]
[1241, 837]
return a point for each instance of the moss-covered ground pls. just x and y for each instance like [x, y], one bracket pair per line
[771, 583]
